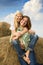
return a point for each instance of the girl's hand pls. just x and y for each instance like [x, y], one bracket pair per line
[16, 35]
[14, 38]
[32, 32]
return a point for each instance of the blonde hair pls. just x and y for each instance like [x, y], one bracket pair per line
[16, 24]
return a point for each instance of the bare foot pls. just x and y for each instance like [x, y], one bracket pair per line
[26, 59]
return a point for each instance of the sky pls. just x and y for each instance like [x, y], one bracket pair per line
[31, 8]
[10, 6]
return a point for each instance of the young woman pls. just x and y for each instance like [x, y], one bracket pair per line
[19, 49]
[17, 19]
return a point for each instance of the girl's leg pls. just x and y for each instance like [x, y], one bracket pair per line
[32, 58]
[33, 41]
[22, 62]
[19, 51]
[17, 47]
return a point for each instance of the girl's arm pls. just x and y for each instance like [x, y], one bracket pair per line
[18, 34]
[15, 35]
[23, 31]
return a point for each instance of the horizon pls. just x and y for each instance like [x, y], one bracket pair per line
[31, 8]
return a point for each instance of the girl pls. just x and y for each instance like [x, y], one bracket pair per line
[18, 17]
[19, 48]
[25, 38]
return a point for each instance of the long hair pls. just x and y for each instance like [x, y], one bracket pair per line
[28, 25]
[16, 24]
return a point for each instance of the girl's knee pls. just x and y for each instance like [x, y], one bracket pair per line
[14, 42]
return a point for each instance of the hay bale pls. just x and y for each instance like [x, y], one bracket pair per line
[8, 55]
[4, 29]
[39, 50]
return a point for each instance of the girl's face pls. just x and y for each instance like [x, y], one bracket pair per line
[18, 17]
[24, 21]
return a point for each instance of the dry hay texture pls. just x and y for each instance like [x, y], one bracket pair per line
[4, 29]
[8, 56]
[39, 50]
